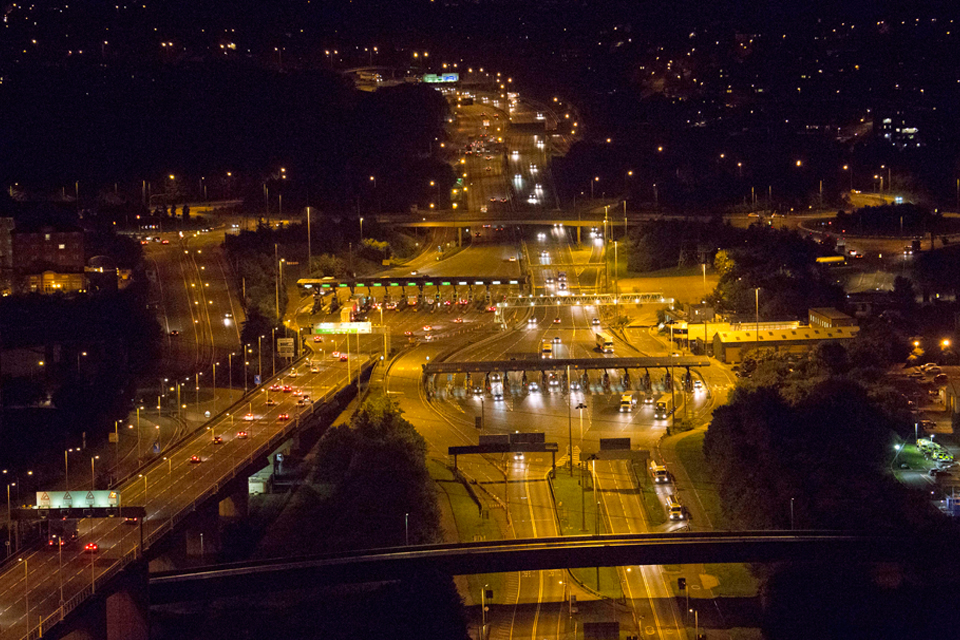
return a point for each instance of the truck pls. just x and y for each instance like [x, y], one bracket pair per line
[659, 473]
[604, 342]
[546, 349]
[627, 402]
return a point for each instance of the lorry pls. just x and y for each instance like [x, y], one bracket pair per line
[627, 402]
[659, 473]
[604, 342]
[546, 349]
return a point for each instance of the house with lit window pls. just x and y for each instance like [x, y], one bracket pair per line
[48, 258]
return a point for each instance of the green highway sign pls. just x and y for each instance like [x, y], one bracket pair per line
[342, 327]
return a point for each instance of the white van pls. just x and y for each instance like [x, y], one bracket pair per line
[627, 402]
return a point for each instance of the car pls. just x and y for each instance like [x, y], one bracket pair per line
[563, 286]
[242, 435]
[556, 321]
[477, 390]
[131, 520]
[195, 460]
[318, 338]
[595, 322]
[174, 333]
[575, 385]
[297, 392]
[427, 327]
[390, 306]
[491, 309]
[314, 369]
[458, 320]
[287, 388]
[292, 374]
[91, 547]
[275, 387]
[556, 339]
[531, 321]
[406, 333]
[54, 539]
[928, 366]
[549, 281]
[164, 242]
[282, 417]
[217, 439]
[343, 357]
[336, 355]
[648, 400]
[487, 169]
[249, 417]
[271, 402]
[697, 385]
[938, 473]
[533, 386]
[934, 370]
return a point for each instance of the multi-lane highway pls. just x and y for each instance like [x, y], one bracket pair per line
[191, 290]
[167, 488]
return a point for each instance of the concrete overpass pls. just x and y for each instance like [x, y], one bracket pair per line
[534, 554]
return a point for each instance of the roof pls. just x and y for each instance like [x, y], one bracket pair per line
[830, 312]
[800, 334]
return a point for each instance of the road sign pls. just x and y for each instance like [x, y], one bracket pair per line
[285, 347]
[256, 380]
[67, 499]
[156, 446]
[113, 438]
[343, 327]
[614, 444]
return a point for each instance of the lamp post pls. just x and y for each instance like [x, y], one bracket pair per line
[260, 358]
[580, 407]
[93, 472]
[138, 434]
[361, 228]
[309, 244]
[757, 296]
[230, 371]
[26, 591]
[273, 350]
[214, 391]
[595, 179]
[570, 419]
[66, 467]
[9, 520]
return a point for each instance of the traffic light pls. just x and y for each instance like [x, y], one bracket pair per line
[681, 583]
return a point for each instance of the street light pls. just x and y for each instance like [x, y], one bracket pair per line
[93, 472]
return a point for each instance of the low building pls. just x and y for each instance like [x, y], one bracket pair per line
[48, 259]
[731, 346]
[828, 318]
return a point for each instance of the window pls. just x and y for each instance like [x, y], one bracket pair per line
[62, 246]
[46, 236]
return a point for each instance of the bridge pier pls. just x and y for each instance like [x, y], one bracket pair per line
[236, 505]
[202, 537]
[122, 613]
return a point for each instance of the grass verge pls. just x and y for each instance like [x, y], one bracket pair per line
[652, 507]
[690, 452]
[735, 579]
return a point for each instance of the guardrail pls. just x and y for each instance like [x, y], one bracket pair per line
[170, 523]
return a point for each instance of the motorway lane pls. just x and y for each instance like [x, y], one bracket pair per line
[165, 488]
[192, 291]
[652, 604]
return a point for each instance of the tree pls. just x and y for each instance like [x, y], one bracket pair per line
[383, 492]
[723, 263]
[185, 212]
